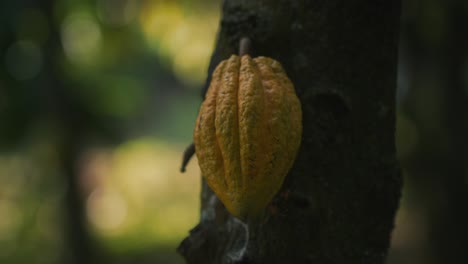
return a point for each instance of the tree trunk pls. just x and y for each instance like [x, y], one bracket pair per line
[74, 122]
[345, 185]
[448, 233]
[438, 104]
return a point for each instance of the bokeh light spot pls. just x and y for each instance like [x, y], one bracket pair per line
[117, 12]
[9, 220]
[183, 37]
[13, 172]
[106, 209]
[142, 191]
[81, 38]
[47, 220]
[23, 60]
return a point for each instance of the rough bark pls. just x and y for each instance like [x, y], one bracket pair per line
[345, 185]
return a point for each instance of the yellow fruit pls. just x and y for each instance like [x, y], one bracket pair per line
[248, 132]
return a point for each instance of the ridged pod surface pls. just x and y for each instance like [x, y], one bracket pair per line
[248, 132]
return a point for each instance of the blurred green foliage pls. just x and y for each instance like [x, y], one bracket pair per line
[124, 78]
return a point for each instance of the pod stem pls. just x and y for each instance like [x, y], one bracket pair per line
[245, 45]
[188, 153]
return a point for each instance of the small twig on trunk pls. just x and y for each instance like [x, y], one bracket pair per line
[188, 153]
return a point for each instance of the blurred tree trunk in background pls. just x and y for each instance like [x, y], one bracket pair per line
[345, 185]
[438, 102]
[73, 124]
[449, 234]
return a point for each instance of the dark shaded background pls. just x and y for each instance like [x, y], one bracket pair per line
[98, 99]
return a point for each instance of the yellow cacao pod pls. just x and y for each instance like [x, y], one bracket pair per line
[248, 132]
